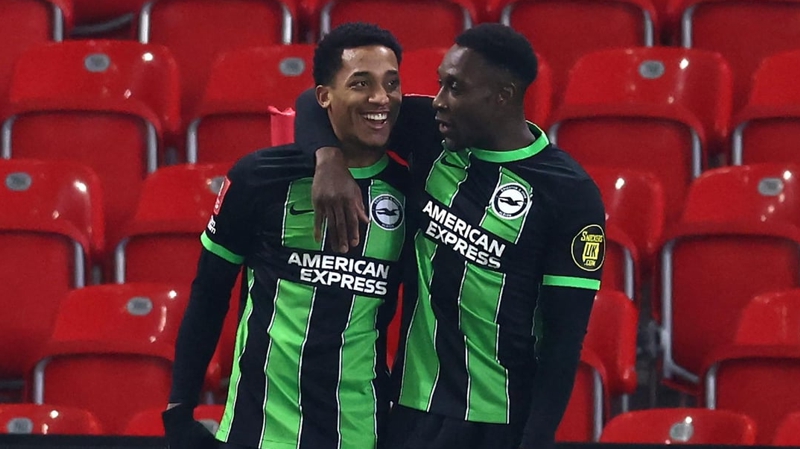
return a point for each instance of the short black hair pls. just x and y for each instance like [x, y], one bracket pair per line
[503, 47]
[328, 54]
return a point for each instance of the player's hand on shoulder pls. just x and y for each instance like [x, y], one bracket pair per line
[336, 198]
[183, 431]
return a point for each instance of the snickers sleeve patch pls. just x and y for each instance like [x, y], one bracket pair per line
[577, 249]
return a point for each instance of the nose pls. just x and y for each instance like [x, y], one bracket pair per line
[438, 100]
[379, 96]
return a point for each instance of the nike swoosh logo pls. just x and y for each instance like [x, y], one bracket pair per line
[447, 162]
[294, 211]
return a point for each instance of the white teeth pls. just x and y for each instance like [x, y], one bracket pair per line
[378, 117]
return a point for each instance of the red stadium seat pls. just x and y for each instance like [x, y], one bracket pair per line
[419, 76]
[680, 426]
[25, 23]
[607, 367]
[162, 242]
[728, 27]
[111, 351]
[788, 432]
[768, 126]
[241, 109]
[657, 110]
[738, 237]
[200, 31]
[583, 419]
[757, 373]
[106, 104]
[47, 420]
[52, 222]
[634, 203]
[415, 23]
[613, 327]
[148, 423]
[581, 27]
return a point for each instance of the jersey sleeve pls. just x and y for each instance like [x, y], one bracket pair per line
[416, 129]
[230, 230]
[577, 248]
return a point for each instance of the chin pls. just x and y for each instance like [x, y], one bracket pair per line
[452, 145]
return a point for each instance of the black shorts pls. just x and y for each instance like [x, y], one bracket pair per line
[414, 429]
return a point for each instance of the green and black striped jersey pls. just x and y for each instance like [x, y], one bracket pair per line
[309, 364]
[492, 228]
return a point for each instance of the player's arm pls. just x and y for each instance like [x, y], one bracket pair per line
[224, 241]
[571, 278]
[335, 195]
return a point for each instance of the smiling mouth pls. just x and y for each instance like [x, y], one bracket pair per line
[376, 118]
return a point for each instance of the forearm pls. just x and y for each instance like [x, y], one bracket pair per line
[565, 313]
[201, 326]
[312, 127]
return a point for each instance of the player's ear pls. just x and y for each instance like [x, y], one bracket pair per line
[323, 96]
[506, 92]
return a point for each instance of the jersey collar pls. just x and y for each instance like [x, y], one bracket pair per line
[370, 171]
[540, 141]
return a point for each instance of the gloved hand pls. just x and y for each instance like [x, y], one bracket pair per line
[183, 432]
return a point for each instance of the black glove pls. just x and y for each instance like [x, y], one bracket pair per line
[183, 432]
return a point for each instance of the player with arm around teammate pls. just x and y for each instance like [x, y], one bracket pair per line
[509, 243]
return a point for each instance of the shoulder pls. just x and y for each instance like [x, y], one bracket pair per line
[271, 167]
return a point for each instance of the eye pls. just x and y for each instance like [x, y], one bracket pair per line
[359, 84]
[394, 84]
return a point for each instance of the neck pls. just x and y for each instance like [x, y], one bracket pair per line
[358, 156]
[510, 134]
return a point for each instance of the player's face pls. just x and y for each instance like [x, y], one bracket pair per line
[365, 97]
[466, 102]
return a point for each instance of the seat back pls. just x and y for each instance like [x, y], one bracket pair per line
[763, 193]
[788, 432]
[581, 26]
[634, 202]
[680, 426]
[611, 335]
[726, 27]
[52, 223]
[47, 420]
[415, 23]
[25, 23]
[111, 351]
[617, 100]
[713, 264]
[148, 423]
[768, 126]
[248, 102]
[162, 242]
[103, 103]
[771, 319]
[198, 32]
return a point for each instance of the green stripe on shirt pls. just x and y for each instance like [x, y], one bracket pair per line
[569, 281]
[220, 250]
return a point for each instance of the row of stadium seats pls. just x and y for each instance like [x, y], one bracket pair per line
[109, 341]
[656, 426]
[109, 349]
[199, 31]
[114, 106]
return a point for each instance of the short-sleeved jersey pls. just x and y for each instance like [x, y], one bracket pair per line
[309, 364]
[493, 228]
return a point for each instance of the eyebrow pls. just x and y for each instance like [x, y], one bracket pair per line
[365, 73]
